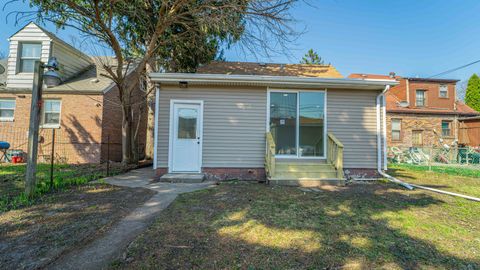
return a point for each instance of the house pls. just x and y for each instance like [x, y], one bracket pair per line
[469, 131]
[422, 111]
[83, 109]
[294, 124]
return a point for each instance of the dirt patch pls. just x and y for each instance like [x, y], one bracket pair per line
[34, 236]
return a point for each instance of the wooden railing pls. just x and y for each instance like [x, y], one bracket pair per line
[270, 156]
[335, 154]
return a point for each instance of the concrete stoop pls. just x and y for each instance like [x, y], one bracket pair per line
[183, 177]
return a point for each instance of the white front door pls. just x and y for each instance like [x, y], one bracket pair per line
[186, 143]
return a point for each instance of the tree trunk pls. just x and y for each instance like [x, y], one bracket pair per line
[150, 136]
[126, 133]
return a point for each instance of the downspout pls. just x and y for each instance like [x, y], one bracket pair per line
[382, 148]
[155, 131]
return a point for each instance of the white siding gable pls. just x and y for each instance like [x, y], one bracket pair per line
[72, 61]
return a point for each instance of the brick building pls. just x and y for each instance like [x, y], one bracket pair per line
[83, 109]
[422, 111]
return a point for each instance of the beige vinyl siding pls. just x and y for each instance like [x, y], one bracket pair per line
[233, 125]
[31, 33]
[71, 61]
[351, 117]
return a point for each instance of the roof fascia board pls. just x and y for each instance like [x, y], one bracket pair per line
[269, 80]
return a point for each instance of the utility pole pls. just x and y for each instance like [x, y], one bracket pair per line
[35, 109]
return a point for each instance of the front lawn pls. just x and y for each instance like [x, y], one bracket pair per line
[361, 226]
[12, 180]
[459, 180]
[32, 237]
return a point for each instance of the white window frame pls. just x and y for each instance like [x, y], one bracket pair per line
[424, 98]
[43, 125]
[9, 119]
[440, 90]
[297, 137]
[20, 57]
[397, 130]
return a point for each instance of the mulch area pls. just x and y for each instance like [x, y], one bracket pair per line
[32, 237]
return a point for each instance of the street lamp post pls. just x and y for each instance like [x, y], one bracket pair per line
[34, 125]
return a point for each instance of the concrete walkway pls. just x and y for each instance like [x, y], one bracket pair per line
[101, 252]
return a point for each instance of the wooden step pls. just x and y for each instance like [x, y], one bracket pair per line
[305, 174]
[308, 182]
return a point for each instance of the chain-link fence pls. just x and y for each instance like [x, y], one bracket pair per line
[435, 156]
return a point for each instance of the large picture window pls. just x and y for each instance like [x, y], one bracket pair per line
[29, 53]
[297, 123]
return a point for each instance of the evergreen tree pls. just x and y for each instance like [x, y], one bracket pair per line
[312, 58]
[472, 96]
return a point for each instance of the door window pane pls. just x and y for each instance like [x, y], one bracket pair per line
[187, 123]
[283, 122]
[311, 120]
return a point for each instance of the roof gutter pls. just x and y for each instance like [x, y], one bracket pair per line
[381, 140]
[196, 78]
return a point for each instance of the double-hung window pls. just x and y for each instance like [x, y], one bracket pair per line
[443, 91]
[7, 109]
[396, 129]
[446, 128]
[29, 53]
[51, 113]
[421, 98]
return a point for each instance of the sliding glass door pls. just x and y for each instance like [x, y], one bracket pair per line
[297, 123]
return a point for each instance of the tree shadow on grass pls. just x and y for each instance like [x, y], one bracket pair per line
[255, 226]
[33, 236]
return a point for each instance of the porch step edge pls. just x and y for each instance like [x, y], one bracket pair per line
[308, 182]
[183, 178]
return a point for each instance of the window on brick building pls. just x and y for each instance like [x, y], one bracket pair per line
[421, 98]
[417, 137]
[446, 128]
[396, 129]
[443, 91]
[7, 109]
[51, 113]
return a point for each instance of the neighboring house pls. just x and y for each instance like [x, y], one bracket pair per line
[469, 132]
[83, 109]
[215, 122]
[422, 111]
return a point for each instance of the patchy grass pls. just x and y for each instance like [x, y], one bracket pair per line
[12, 180]
[460, 183]
[32, 237]
[450, 170]
[361, 226]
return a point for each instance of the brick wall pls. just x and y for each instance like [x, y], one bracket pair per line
[423, 122]
[79, 135]
[112, 123]
[433, 99]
